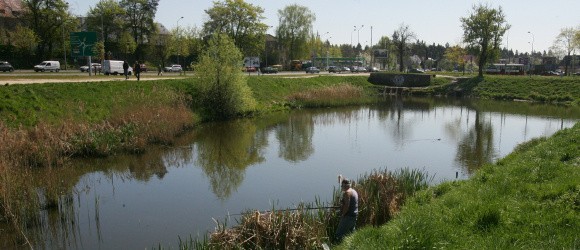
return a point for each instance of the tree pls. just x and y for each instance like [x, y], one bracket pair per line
[239, 20]
[139, 18]
[456, 55]
[401, 39]
[565, 42]
[47, 19]
[107, 19]
[295, 25]
[223, 91]
[483, 31]
[127, 45]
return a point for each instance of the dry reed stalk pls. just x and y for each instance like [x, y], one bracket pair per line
[339, 92]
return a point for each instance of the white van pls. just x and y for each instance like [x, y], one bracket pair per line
[114, 67]
[47, 66]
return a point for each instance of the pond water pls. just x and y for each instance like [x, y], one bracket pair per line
[136, 202]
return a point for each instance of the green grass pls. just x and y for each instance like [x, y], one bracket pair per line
[528, 200]
[536, 88]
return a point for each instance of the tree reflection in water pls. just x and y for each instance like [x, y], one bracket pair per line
[224, 150]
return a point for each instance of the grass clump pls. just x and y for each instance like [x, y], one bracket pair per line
[530, 199]
[381, 193]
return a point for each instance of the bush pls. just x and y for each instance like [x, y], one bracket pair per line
[224, 92]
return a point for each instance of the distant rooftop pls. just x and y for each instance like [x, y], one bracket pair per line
[10, 8]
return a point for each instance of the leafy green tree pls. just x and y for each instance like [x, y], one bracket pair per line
[242, 21]
[127, 45]
[456, 55]
[139, 18]
[106, 18]
[483, 31]
[159, 47]
[24, 39]
[224, 92]
[401, 38]
[47, 19]
[295, 26]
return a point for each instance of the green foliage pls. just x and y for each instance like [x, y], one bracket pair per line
[241, 21]
[223, 90]
[293, 31]
[483, 31]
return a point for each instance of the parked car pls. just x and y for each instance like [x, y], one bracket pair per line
[360, 69]
[269, 70]
[416, 71]
[143, 67]
[250, 69]
[94, 66]
[47, 66]
[173, 68]
[550, 73]
[372, 69]
[312, 70]
[6, 66]
[345, 69]
[334, 69]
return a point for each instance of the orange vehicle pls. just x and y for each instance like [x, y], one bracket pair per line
[296, 65]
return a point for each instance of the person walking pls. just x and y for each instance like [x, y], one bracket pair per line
[125, 69]
[348, 210]
[137, 70]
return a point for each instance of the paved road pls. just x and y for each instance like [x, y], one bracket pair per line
[29, 76]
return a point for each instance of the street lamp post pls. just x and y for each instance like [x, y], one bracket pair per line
[358, 33]
[532, 55]
[178, 40]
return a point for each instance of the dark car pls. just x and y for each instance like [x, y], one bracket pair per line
[334, 69]
[420, 71]
[6, 66]
[312, 70]
[269, 70]
[143, 67]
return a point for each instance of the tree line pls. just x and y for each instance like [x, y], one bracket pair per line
[126, 30]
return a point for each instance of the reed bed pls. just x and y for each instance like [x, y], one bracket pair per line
[50, 145]
[331, 95]
[309, 226]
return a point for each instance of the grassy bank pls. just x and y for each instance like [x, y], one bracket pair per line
[528, 200]
[562, 90]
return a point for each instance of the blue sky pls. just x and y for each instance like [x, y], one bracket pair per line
[432, 21]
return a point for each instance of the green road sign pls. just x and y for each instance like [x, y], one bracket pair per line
[82, 43]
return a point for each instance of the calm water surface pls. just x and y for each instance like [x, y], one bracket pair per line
[137, 202]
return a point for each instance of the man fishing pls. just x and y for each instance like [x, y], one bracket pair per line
[348, 210]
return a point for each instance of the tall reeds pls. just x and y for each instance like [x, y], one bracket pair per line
[332, 95]
[381, 194]
[50, 145]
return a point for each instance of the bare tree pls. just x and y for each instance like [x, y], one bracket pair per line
[565, 42]
[401, 39]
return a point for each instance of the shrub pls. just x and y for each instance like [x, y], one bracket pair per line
[224, 92]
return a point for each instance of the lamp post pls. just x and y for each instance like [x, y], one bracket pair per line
[358, 33]
[532, 56]
[178, 40]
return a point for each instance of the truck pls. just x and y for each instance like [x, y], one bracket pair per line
[47, 66]
[114, 67]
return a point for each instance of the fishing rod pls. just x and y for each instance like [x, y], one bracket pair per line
[283, 210]
[340, 178]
